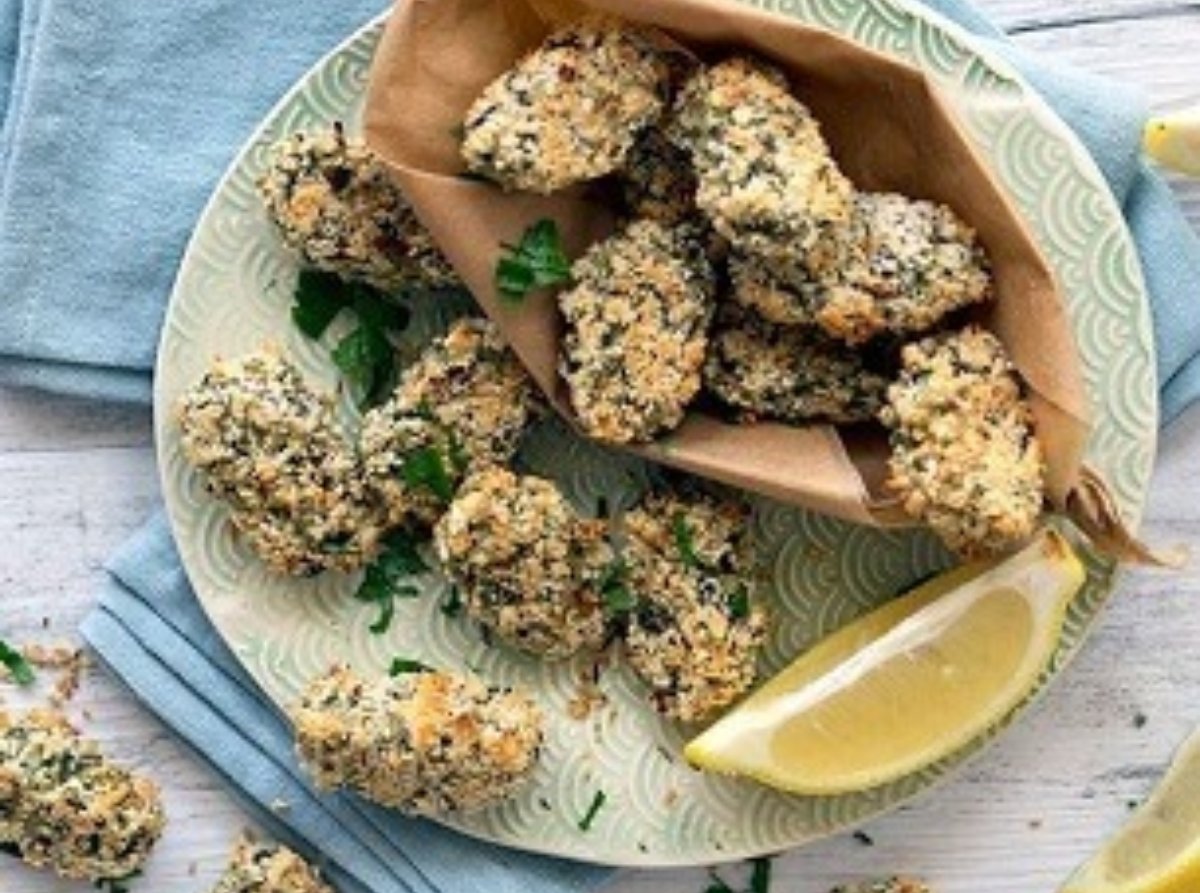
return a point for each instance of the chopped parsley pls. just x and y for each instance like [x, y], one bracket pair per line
[453, 603]
[618, 599]
[402, 665]
[18, 667]
[365, 355]
[387, 578]
[685, 540]
[716, 884]
[760, 878]
[760, 875]
[538, 261]
[598, 801]
[117, 884]
[425, 467]
[739, 602]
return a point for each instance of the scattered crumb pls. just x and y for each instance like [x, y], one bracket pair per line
[280, 805]
[1139, 720]
[671, 797]
[1035, 824]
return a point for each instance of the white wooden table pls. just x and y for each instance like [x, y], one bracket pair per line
[75, 480]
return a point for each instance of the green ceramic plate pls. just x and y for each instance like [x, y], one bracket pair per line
[233, 292]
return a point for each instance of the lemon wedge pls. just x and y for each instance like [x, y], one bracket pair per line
[1158, 849]
[1174, 140]
[904, 685]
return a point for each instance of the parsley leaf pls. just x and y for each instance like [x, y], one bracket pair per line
[538, 261]
[318, 299]
[387, 577]
[717, 884]
[760, 875]
[424, 467]
[598, 801]
[18, 666]
[453, 603]
[685, 540]
[618, 600]
[739, 602]
[401, 665]
[365, 355]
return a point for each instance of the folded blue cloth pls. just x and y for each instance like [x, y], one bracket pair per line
[118, 118]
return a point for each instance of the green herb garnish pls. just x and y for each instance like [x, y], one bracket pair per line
[618, 599]
[760, 875]
[585, 823]
[117, 884]
[18, 667]
[387, 578]
[402, 665]
[365, 355]
[537, 262]
[685, 540]
[453, 603]
[716, 884]
[739, 602]
[425, 467]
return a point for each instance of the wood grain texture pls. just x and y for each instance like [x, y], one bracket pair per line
[76, 479]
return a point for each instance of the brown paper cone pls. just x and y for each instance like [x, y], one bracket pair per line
[889, 130]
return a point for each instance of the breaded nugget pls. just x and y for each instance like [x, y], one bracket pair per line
[65, 807]
[570, 110]
[917, 262]
[334, 202]
[695, 632]
[964, 456]
[271, 449]
[529, 567]
[256, 867]
[766, 178]
[427, 743]
[891, 885]
[789, 373]
[634, 344]
[463, 404]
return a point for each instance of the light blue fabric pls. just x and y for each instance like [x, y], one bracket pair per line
[118, 118]
[151, 631]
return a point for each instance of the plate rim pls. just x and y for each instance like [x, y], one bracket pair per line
[1082, 162]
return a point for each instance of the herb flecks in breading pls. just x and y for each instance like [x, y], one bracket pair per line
[337, 205]
[569, 110]
[66, 807]
[635, 338]
[427, 743]
[964, 456]
[530, 568]
[270, 447]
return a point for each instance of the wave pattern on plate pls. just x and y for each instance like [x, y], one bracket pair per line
[233, 290]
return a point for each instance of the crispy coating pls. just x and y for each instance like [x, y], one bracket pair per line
[334, 202]
[657, 180]
[964, 456]
[766, 178]
[635, 337]
[427, 743]
[890, 885]
[695, 635]
[467, 398]
[64, 806]
[271, 449]
[256, 867]
[913, 263]
[570, 110]
[782, 298]
[788, 373]
[529, 567]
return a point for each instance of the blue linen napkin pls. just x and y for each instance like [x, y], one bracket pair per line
[118, 120]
